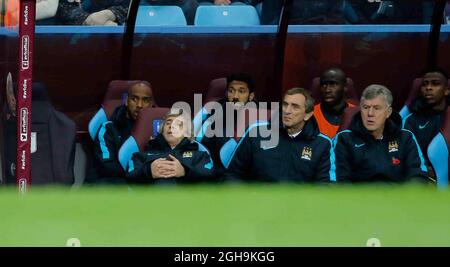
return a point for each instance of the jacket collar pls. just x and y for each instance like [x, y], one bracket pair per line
[418, 106]
[309, 132]
[159, 143]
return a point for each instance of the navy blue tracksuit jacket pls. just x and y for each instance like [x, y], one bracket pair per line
[308, 157]
[361, 158]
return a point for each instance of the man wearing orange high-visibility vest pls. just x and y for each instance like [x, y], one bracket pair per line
[328, 113]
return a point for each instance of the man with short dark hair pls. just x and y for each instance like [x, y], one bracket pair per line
[375, 148]
[240, 91]
[113, 133]
[302, 153]
[328, 113]
[172, 156]
[427, 111]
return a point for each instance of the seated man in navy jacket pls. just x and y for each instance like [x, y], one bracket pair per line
[427, 111]
[375, 148]
[172, 156]
[302, 154]
[113, 133]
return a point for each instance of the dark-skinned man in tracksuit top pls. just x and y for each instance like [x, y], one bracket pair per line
[113, 133]
[375, 148]
[427, 111]
[302, 154]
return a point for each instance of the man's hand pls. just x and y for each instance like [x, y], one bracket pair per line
[110, 23]
[178, 168]
[222, 2]
[160, 169]
[163, 168]
[100, 18]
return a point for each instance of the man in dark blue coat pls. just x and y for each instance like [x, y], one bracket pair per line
[427, 111]
[172, 156]
[113, 133]
[302, 153]
[375, 148]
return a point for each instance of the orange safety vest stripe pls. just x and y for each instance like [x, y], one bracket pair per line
[12, 13]
[325, 127]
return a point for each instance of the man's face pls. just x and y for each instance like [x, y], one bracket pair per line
[434, 88]
[139, 97]
[332, 88]
[175, 129]
[374, 113]
[294, 113]
[239, 93]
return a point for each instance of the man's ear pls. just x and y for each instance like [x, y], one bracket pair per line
[251, 96]
[389, 112]
[447, 91]
[308, 116]
[126, 101]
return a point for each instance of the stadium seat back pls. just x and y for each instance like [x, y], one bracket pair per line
[145, 128]
[347, 117]
[447, 13]
[351, 95]
[413, 94]
[52, 141]
[216, 90]
[245, 15]
[247, 119]
[160, 16]
[438, 152]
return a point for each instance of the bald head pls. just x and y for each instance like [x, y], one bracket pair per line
[333, 84]
[140, 96]
[335, 75]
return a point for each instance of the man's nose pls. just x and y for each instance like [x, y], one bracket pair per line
[140, 104]
[371, 112]
[287, 110]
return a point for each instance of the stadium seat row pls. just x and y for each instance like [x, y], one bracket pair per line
[205, 16]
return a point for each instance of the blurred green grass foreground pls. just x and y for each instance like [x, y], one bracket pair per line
[227, 215]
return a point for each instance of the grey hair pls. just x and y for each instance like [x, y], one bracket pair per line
[309, 100]
[186, 119]
[375, 90]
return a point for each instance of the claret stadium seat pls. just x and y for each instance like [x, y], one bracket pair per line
[145, 128]
[438, 152]
[216, 90]
[347, 116]
[351, 95]
[413, 94]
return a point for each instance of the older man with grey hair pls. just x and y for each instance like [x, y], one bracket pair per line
[375, 148]
[172, 156]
